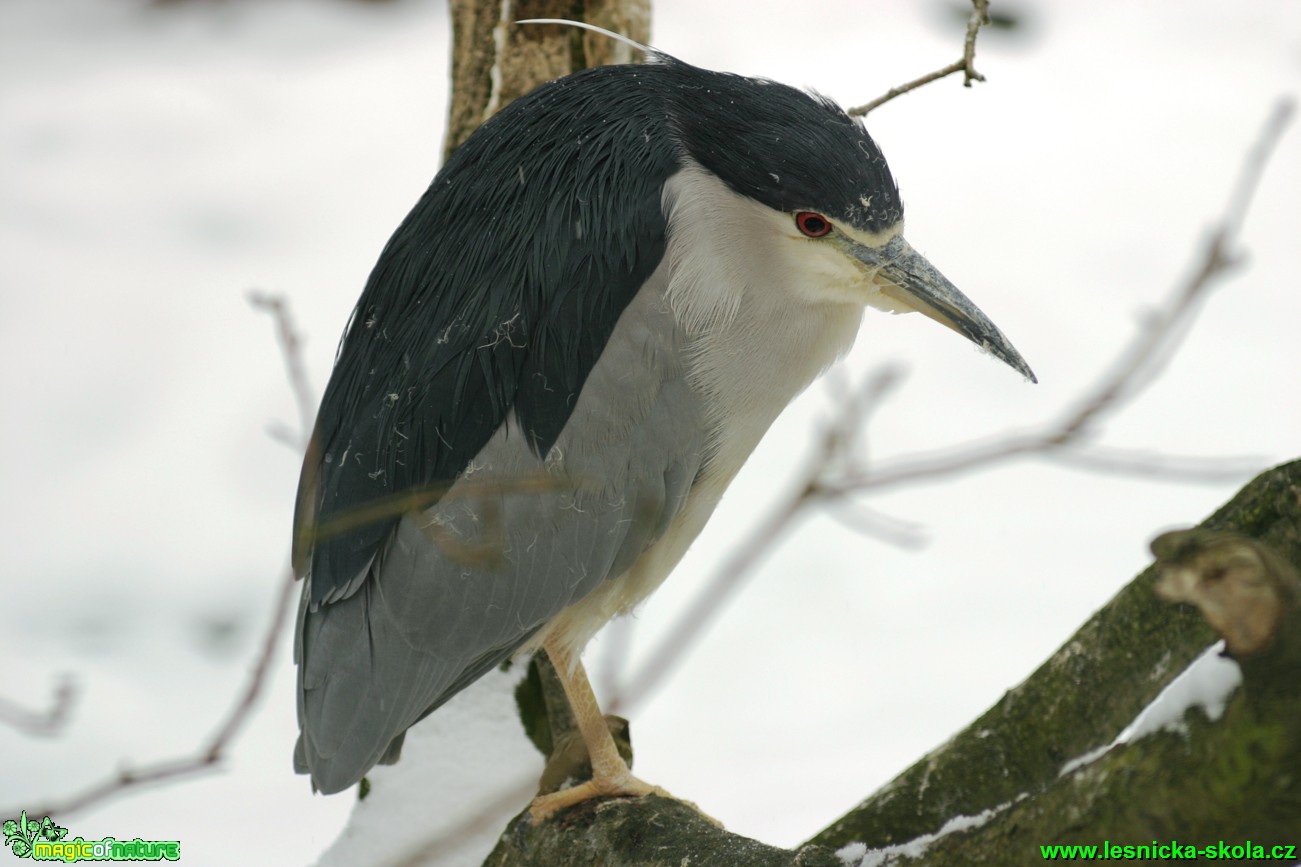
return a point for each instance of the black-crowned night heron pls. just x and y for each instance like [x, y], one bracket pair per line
[562, 358]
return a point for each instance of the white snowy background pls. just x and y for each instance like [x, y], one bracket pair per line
[158, 163]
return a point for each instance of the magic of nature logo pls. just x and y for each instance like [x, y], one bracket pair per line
[45, 841]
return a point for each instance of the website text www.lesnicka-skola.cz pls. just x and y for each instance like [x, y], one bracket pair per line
[1171, 850]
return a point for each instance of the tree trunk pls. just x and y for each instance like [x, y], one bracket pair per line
[495, 61]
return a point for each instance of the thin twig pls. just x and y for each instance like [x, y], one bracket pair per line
[1135, 368]
[235, 721]
[869, 522]
[1159, 465]
[1149, 352]
[942, 72]
[978, 18]
[966, 64]
[46, 723]
[291, 350]
[208, 756]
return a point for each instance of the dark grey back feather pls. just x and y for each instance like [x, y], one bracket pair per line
[498, 291]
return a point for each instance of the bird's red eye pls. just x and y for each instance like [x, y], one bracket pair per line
[811, 224]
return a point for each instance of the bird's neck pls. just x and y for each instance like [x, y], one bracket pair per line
[745, 390]
[756, 338]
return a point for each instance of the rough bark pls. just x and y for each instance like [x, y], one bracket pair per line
[645, 832]
[495, 61]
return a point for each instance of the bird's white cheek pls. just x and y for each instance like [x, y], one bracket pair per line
[826, 275]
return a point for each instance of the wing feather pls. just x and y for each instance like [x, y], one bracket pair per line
[514, 542]
[492, 443]
[494, 294]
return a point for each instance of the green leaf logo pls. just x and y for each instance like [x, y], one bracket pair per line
[21, 834]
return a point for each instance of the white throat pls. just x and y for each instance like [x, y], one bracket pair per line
[740, 286]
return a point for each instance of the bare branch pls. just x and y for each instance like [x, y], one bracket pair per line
[966, 64]
[1159, 465]
[285, 435]
[894, 531]
[1149, 353]
[979, 18]
[942, 72]
[1254, 168]
[46, 723]
[291, 350]
[210, 754]
[203, 759]
[239, 714]
[124, 779]
[1138, 364]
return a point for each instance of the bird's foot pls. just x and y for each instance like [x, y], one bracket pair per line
[623, 786]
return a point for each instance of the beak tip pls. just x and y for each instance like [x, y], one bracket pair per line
[915, 282]
[1006, 353]
[1024, 370]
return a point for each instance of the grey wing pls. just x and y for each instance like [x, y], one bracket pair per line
[515, 541]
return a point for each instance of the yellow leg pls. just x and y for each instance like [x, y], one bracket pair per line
[610, 774]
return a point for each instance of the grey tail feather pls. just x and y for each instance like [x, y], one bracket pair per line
[394, 750]
[391, 755]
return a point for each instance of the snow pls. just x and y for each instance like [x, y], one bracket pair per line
[1208, 682]
[445, 789]
[858, 855]
[157, 161]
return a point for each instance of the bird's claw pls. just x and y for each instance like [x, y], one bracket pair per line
[546, 806]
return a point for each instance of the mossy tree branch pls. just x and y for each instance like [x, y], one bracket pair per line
[1083, 697]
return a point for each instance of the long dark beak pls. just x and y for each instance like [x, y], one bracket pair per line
[903, 274]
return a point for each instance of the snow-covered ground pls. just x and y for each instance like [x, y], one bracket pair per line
[158, 163]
